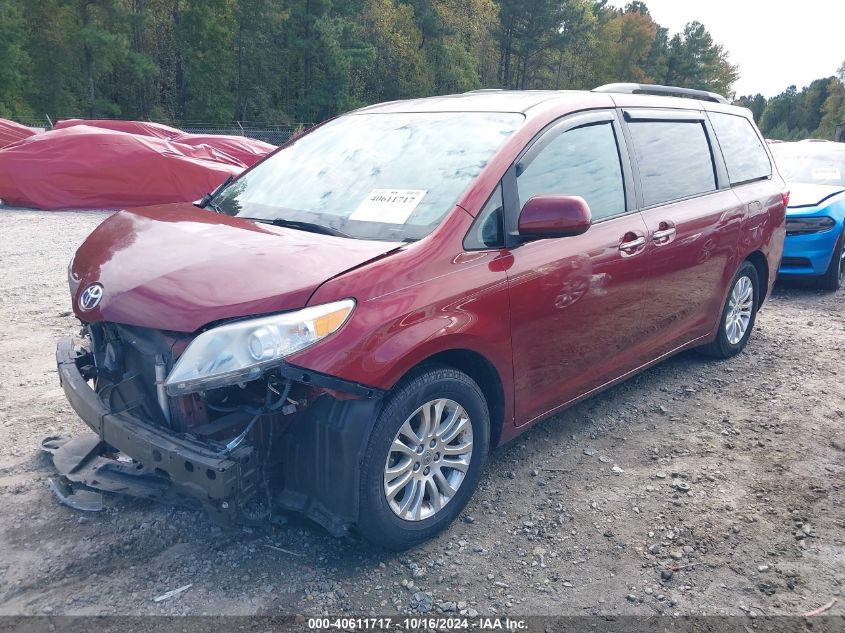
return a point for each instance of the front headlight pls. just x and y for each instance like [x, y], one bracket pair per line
[242, 351]
[72, 278]
[802, 226]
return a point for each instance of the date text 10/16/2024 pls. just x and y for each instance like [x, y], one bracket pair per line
[417, 623]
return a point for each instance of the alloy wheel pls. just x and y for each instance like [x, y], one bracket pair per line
[740, 307]
[428, 460]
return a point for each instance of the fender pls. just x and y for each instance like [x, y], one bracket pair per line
[379, 354]
[763, 231]
[401, 319]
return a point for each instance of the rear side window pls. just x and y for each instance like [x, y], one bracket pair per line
[674, 159]
[745, 156]
[580, 162]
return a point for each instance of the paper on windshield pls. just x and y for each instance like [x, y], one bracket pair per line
[826, 173]
[391, 206]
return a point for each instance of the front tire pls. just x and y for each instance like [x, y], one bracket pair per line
[738, 314]
[833, 279]
[424, 457]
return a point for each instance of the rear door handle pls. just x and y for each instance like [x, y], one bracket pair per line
[632, 245]
[663, 234]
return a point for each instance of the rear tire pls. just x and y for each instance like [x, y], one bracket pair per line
[833, 279]
[408, 491]
[738, 315]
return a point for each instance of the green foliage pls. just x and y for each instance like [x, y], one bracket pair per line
[206, 39]
[812, 112]
[583, 43]
[695, 61]
[15, 64]
[628, 39]
[291, 61]
[833, 110]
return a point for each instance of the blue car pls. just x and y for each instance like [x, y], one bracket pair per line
[815, 171]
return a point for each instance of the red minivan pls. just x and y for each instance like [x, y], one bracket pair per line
[349, 328]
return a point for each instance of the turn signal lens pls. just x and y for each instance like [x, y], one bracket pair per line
[326, 324]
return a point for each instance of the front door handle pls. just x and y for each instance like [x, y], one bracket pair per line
[632, 245]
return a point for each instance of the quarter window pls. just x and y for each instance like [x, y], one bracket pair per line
[488, 229]
[674, 160]
[580, 162]
[745, 156]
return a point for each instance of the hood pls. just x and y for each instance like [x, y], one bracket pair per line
[177, 267]
[810, 195]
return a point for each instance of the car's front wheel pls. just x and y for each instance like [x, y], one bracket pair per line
[424, 457]
[738, 314]
[835, 276]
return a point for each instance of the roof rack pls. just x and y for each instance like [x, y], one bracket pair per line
[667, 91]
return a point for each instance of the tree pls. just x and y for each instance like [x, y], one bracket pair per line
[257, 21]
[833, 108]
[50, 34]
[657, 62]
[292, 61]
[137, 90]
[529, 28]
[756, 103]
[573, 55]
[628, 39]
[812, 112]
[103, 49]
[459, 48]
[695, 61]
[207, 56]
[400, 69]
[473, 25]
[15, 67]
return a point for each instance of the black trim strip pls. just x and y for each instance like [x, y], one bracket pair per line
[668, 114]
[308, 377]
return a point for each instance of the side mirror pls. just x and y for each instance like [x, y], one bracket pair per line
[554, 216]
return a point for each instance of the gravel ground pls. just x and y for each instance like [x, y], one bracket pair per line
[698, 487]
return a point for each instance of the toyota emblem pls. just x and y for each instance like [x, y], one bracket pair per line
[90, 297]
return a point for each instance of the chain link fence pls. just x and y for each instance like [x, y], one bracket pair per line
[37, 123]
[267, 132]
[273, 134]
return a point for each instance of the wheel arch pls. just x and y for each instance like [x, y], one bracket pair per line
[484, 373]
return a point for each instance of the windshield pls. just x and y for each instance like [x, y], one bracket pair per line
[373, 176]
[811, 163]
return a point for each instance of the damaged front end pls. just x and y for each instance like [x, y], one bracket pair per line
[282, 438]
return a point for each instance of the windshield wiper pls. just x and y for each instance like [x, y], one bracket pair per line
[208, 199]
[302, 226]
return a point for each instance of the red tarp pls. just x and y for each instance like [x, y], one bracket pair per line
[247, 150]
[106, 164]
[143, 128]
[81, 167]
[11, 132]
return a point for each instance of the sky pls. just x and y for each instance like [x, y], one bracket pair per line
[775, 43]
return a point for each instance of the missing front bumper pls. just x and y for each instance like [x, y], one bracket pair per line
[318, 457]
[161, 465]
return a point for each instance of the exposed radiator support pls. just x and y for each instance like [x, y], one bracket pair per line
[161, 375]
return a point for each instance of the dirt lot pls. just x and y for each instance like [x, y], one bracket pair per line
[759, 441]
